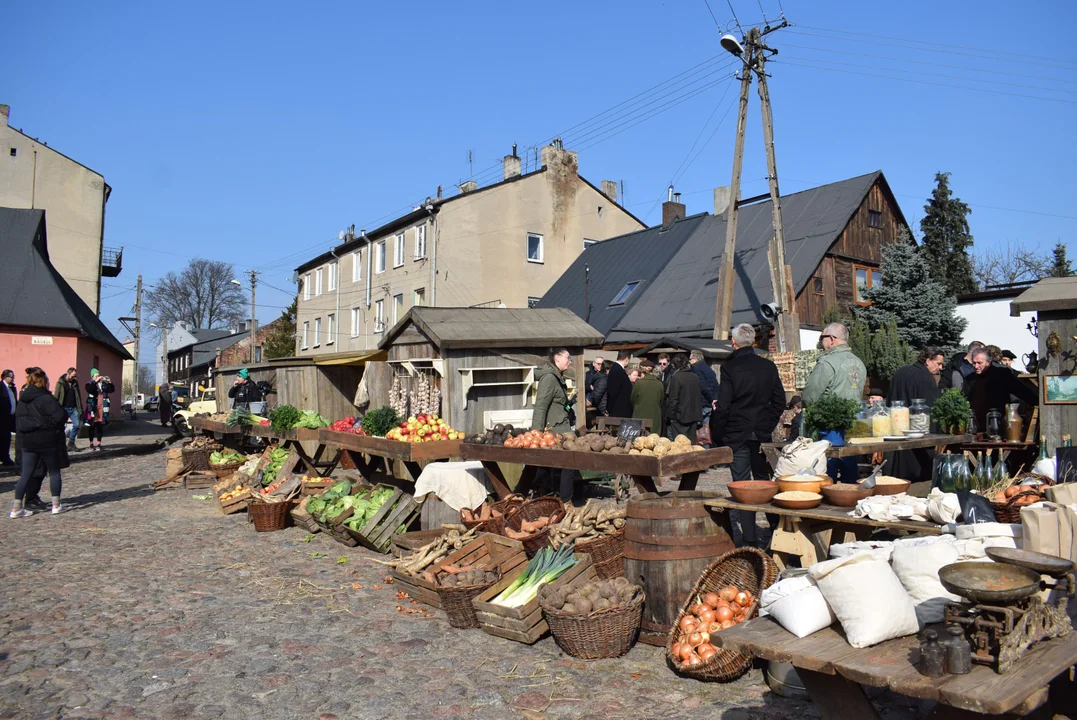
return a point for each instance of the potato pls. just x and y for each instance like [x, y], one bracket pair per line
[682, 440]
[649, 453]
[618, 451]
[633, 452]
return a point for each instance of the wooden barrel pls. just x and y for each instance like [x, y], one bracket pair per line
[670, 539]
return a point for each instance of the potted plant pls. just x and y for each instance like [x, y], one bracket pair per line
[950, 413]
[830, 417]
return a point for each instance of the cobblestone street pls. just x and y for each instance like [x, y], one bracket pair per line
[153, 605]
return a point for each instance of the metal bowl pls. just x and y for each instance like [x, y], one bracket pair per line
[989, 582]
[1039, 562]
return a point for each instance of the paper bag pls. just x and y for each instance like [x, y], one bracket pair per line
[1040, 528]
[1067, 532]
[1064, 494]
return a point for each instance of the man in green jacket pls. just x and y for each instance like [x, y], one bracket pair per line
[551, 411]
[648, 394]
[838, 372]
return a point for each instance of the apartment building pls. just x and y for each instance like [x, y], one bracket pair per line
[36, 176]
[500, 245]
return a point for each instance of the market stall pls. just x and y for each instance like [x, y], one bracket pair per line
[370, 455]
[869, 446]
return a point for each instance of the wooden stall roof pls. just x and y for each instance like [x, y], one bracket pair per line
[1047, 294]
[496, 327]
[714, 349]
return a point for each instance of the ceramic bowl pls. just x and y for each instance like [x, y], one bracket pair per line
[753, 492]
[845, 495]
[790, 483]
[798, 504]
[892, 487]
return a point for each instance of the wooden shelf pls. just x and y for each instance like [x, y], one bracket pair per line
[526, 383]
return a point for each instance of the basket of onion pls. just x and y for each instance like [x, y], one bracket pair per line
[530, 523]
[456, 586]
[594, 618]
[724, 596]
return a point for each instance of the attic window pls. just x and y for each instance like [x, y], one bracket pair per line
[14, 152]
[875, 219]
[626, 292]
[817, 285]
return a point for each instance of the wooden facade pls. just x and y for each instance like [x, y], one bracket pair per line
[327, 389]
[875, 224]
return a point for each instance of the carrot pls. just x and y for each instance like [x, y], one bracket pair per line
[467, 515]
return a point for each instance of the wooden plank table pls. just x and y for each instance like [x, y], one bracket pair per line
[808, 534]
[936, 441]
[834, 673]
[378, 450]
[293, 440]
[645, 470]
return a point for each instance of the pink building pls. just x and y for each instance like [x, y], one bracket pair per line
[44, 322]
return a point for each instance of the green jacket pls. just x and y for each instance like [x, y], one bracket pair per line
[647, 396]
[62, 388]
[551, 402]
[838, 372]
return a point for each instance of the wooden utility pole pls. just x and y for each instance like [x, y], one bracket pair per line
[727, 278]
[138, 334]
[254, 320]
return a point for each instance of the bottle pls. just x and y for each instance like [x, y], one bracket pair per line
[1015, 424]
[946, 473]
[1043, 449]
[932, 655]
[987, 474]
[962, 477]
[1002, 473]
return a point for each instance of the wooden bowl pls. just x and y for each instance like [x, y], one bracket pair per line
[845, 495]
[891, 488]
[798, 504]
[753, 492]
[788, 484]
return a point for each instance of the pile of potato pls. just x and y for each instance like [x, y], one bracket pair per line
[593, 442]
[466, 577]
[594, 596]
[659, 446]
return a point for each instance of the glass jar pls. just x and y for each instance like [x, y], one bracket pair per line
[919, 416]
[899, 417]
[861, 427]
[880, 420]
[1015, 424]
[993, 422]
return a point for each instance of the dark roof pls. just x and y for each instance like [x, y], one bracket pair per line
[1047, 294]
[636, 257]
[34, 293]
[679, 302]
[497, 327]
[204, 335]
[711, 348]
[205, 351]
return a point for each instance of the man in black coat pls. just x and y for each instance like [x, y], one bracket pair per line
[684, 402]
[750, 402]
[959, 368]
[619, 388]
[8, 400]
[990, 387]
[916, 381]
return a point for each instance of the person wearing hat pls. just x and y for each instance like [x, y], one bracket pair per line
[1007, 358]
[244, 391]
[97, 391]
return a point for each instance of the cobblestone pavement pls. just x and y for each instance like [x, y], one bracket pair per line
[144, 605]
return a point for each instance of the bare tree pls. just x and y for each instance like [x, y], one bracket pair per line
[1009, 264]
[202, 295]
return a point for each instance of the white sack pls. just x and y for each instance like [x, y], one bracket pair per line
[965, 532]
[867, 598]
[879, 548]
[798, 606]
[802, 453]
[942, 507]
[917, 567]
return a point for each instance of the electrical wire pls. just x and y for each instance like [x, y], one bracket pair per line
[707, 3]
[735, 19]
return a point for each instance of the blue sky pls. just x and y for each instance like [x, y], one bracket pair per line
[254, 132]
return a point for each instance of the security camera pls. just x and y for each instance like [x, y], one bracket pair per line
[731, 44]
[770, 311]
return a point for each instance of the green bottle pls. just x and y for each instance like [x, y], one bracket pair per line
[987, 472]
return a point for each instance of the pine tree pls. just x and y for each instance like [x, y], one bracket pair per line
[280, 342]
[888, 352]
[1061, 266]
[947, 238]
[923, 310]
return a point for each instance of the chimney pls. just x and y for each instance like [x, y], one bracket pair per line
[468, 186]
[609, 189]
[555, 157]
[721, 199]
[673, 208]
[5, 113]
[512, 164]
[218, 363]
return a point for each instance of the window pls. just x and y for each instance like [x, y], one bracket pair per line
[817, 285]
[306, 287]
[864, 278]
[418, 298]
[875, 219]
[331, 327]
[379, 316]
[318, 281]
[420, 242]
[534, 247]
[317, 332]
[332, 276]
[379, 257]
[398, 307]
[355, 322]
[626, 292]
[588, 243]
[398, 250]
[532, 302]
[257, 356]
[357, 266]
[306, 334]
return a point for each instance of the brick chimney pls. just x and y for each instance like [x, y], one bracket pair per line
[512, 164]
[672, 209]
[721, 199]
[609, 189]
[5, 113]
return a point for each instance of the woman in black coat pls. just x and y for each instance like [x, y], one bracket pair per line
[97, 403]
[39, 427]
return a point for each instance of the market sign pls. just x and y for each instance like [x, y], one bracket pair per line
[41, 340]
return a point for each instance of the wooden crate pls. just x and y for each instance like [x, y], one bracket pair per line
[316, 488]
[337, 533]
[409, 542]
[200, 480]
[523, 624]
[237, 504]
[303, 519]
[486, 552]
[377, 534]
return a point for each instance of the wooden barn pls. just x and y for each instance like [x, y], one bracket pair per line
[483, 361]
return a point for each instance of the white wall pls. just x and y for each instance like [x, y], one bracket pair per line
[991, 324]
[809, 338]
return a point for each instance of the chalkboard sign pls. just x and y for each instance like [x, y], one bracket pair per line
[629, 430]
[1066, 464]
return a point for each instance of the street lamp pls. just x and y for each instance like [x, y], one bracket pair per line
[163, 327]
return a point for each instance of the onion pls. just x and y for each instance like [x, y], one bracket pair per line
[695, 639]
[692, 660]
[705, 651]
[675, 650]
[711, 599]
[714, 627]
[743, 599]
[728, 593]
[686, 650]
[728, 624]
[698, 608]
[723, 614]
[706, 617]
[687, 623]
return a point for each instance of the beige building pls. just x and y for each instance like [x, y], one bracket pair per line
[503, 245]
[35, 176]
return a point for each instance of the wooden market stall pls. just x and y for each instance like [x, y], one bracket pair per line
[482, 361]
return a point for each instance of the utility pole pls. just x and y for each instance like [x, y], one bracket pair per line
[136, 332]
[254, 319]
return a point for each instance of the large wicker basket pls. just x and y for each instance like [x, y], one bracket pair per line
[495, 525]
[604, 634]
[223, 471]
[269, 516]
[607, 553]
[456, 602]
[532, 510]
[198, 458]
[1010, 511]
[748, 569]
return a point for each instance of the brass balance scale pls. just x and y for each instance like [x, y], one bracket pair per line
[1007, 617]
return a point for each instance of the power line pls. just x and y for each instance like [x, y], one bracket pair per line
[730, 4]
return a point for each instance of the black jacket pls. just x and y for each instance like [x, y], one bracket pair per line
[599, 396]
[992, 389]
[684, 404]
[618, 392]
[7, 420]
[39, 420]
[708, 382]
[95, 393]
[247, 392]
[955, 372]
[751, 400]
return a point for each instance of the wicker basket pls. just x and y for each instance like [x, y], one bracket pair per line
[612, 568]
[604, 634]
[198, 459]
[223, 471]
[1010, 511]
[495, 525]
[532, 510]
[269, 516]
[747, 568]
[604, 548]
[456, 602]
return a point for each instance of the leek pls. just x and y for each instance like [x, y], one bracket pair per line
[546, 566]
